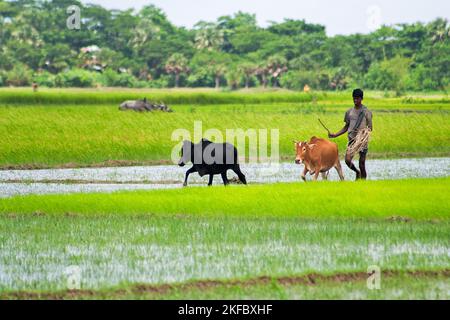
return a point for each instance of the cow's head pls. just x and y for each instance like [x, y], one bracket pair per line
[185, 153]
[123, 106]
[302, 150]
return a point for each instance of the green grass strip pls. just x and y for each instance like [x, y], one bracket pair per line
[194, 96]
[171, 97]
[417, 199]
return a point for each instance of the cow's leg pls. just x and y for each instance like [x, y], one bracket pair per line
[303, 175]
[238, 171]
[324, 175]
[362, 165]
[339, 170]
[349, 163]
[211, 177]
[187, 175]
[224, 178]
[316, 175]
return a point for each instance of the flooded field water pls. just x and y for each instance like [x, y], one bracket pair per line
[20, 182]
[120, 250]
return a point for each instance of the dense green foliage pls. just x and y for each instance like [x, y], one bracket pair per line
[145, 49]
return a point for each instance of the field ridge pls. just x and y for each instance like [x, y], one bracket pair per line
[310, 279]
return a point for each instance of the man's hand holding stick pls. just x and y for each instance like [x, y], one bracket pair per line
[330, 135]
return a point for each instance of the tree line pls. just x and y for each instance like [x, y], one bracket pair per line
[145, 49]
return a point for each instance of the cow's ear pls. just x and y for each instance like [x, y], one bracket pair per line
[311, 146]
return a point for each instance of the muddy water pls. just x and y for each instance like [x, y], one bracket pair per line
[17, 182]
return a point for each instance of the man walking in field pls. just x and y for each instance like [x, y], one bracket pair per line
[356, 119]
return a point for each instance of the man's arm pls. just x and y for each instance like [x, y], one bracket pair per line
[339, 133]
[344, 129]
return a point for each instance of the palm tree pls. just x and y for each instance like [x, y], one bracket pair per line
[177, 64]
[339, 80]
[234, 77]
[248, 69]
[145, 31]
[24, 31]
[276, 66]
[218, 70]
[262, 72]
[208, 36]
[440, 30]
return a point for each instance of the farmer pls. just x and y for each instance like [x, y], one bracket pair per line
[356, 118]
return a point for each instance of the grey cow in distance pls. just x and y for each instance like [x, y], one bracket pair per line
[143, 106]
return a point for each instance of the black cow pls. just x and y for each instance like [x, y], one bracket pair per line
[210, 158]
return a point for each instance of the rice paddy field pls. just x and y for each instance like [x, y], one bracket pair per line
[276, 238]
[54, 129]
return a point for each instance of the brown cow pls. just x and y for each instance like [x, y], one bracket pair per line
[319, 156]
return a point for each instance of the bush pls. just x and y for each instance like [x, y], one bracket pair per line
[45, 79]
[388, 75]
[200, 78]
[380, 78]
[77, 78]
[423, 78]
[111, 78]
[296, 80]
[162, 82]
[20, 75]
[142, 84]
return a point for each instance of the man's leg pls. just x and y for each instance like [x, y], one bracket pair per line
[349, 163]
[362, 164]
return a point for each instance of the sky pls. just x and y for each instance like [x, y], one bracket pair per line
[339, 17]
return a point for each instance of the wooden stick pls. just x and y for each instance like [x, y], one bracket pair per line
[324, 126]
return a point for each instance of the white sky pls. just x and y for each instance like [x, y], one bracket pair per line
[339, 16]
